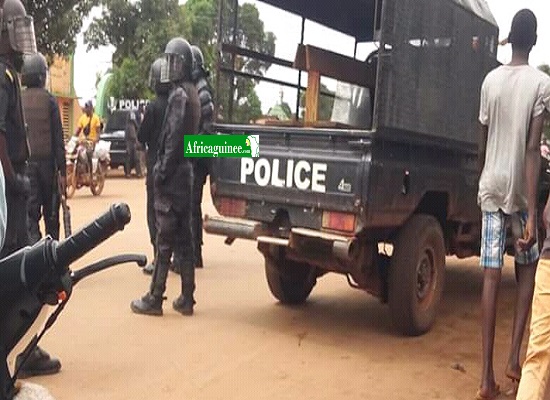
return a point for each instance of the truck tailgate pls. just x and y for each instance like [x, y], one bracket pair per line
[299, 170]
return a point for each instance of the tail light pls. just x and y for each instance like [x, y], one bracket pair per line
[339, 221]
[231, 207]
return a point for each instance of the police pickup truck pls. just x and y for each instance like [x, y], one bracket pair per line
[381, 199]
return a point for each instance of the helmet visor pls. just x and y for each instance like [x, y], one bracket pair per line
[154, 73]
[21, 32]
[171, 69]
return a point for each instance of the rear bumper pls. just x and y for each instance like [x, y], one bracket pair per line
[299, 241]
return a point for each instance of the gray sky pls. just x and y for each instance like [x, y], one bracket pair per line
[88, 64]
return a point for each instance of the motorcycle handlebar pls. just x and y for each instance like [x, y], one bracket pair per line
[75, 246]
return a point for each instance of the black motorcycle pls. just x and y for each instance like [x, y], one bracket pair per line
[36, 276]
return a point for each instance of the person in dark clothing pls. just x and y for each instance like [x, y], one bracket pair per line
[132, 155]
[173, 181]
[47, 160]
[202, 165]
[14, 150]
[148, 136]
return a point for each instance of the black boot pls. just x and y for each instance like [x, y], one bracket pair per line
[185, 302]
[148, 305]
[38, 363]
[184, 305]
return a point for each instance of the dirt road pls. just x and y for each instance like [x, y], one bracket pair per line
[241, 344]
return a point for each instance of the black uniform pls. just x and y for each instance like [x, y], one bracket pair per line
[202, 165]
[45, 134]
[173, 180]
[133, 159]
[12, 125]
[201, 169]
[148, 135]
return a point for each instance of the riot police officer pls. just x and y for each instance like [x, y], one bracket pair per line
[202, 165]
[16, 39]
[47, 161]
[173, 181]
[148, 135]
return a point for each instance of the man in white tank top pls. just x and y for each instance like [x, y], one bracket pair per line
[513, 101]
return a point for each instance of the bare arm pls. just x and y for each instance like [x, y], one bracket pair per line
[532, 172]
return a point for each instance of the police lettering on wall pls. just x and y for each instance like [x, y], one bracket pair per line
[300, 174]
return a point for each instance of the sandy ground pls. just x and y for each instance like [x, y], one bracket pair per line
[241, 344]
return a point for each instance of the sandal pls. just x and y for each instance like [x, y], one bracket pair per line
[490, 396]
[514, 377]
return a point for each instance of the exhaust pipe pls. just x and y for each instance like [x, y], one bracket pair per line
[233, 228]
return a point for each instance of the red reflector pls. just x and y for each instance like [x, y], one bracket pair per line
[339, 221]
[230, 207]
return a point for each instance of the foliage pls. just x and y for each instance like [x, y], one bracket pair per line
[139, 31]
[127, 79]
[545, 68]
[57, 23]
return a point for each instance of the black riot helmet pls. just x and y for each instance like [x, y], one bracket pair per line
[35, 71]
[179, 61]
[197, 56]
[154, 77]
[199, 70]
[17, 35]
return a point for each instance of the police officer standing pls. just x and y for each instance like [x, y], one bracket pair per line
[47, 161]
[173, 181]
[148, 136]
[16, 39]
[202, 165]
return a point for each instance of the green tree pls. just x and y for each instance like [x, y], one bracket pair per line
[127, 80]
[139, 31]
[200, 24]
[545, 68]
[57, 23]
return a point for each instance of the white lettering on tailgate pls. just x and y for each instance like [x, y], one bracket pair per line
[300, 174]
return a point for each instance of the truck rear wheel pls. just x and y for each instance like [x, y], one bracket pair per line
[417, 275]
[290, 282]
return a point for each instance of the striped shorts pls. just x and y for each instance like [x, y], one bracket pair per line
[493, 239]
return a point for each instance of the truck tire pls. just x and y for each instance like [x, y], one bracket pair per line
[416, 275]
[290, 282]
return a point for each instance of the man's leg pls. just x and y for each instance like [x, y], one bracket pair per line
[186, 244]
[151, 219]
[138, 161]
[534, 377]
[491, 283]
[34, 205]
[128, 161]
[51, 202]
[492, 259]
[151, 302]
[199, 181]
[39, 362]
[526, 264]
[526, 281]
